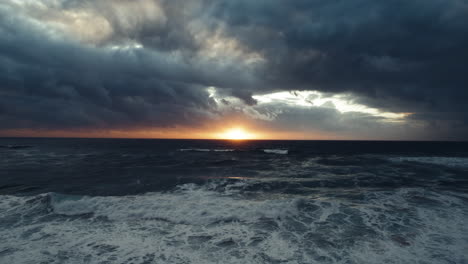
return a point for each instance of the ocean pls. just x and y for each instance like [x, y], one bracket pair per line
[212, 201]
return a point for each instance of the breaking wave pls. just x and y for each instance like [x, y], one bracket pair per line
[276, 151]
[218, 222]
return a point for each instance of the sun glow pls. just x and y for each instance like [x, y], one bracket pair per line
[236, 134]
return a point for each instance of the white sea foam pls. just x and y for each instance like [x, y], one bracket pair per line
[276, 151]
[460, 162]
[194, 206]
[200, 225]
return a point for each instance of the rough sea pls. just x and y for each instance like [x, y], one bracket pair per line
[194, 201]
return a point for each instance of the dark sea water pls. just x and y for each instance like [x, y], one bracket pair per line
[192, 201]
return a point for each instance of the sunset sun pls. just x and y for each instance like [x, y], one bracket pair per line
[236, 134]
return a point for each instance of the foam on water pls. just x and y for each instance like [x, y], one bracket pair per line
[218, 222]
[276, 151]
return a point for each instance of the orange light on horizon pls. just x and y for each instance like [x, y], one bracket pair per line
[236, 134]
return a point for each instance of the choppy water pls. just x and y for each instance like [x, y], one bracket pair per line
[181, 201]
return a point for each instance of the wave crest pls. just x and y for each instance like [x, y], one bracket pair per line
[276, 151]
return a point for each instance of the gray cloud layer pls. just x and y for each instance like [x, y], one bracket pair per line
[147, 63]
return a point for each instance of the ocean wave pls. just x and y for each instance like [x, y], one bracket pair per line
[269, 151]
[206, 150]
[276, 151]
[209, 224]
[15, 146]
[194, 206]
[458, 162]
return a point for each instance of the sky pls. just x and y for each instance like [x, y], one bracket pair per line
[276, 69]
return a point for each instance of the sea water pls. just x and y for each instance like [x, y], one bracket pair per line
[193, 201]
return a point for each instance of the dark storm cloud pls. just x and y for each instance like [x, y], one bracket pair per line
[394, 55]
[400, 55]
[51, 81]
[66, 85]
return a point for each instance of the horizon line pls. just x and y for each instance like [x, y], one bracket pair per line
[234, 140]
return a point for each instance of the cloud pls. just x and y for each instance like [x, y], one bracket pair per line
[67, 64]
[397, 56]
[53, 80]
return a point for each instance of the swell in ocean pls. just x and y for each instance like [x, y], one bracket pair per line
[104, 201]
